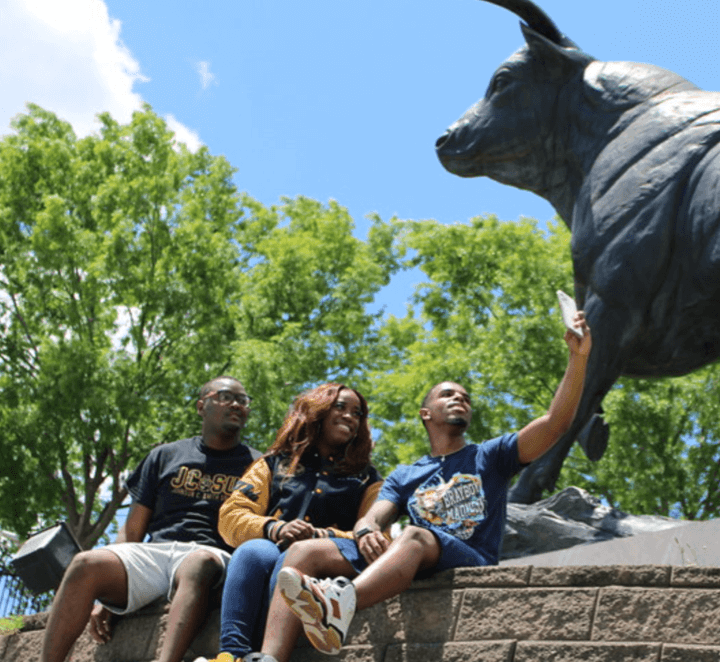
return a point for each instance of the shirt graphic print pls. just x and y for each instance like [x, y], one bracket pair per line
[456, 506]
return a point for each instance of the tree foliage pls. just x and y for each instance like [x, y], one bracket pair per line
[664, 451]
[485, 317]
[116, 266]
[133, 271]
[301, 314]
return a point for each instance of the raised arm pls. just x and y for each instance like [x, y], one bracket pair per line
[539, 436]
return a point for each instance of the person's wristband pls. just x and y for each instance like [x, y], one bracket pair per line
[273, 530]
[361, 532]
[277, 529]
[268, 528]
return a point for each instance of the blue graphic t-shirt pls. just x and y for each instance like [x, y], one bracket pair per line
[463, 494]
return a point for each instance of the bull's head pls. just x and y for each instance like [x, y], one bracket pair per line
[508, 134]
[547, 112]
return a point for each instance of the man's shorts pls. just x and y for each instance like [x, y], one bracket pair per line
[151, 569]
[454, 553]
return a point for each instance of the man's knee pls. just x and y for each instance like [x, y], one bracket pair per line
[418, 536]
[201, 568]
[96, 574]
[96, 565]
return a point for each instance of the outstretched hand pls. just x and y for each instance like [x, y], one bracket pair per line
[579, 346]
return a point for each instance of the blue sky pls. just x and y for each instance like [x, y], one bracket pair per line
[324, 98]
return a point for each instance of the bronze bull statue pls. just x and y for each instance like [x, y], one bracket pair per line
[629, 156]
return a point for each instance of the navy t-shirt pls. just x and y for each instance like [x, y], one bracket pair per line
[184, 483]
[463, 494]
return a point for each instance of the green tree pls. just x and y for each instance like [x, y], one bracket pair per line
[133, 271]
[664, 451]
[486, 317]
[305, 285]
[117, 275]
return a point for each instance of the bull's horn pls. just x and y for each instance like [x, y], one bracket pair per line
[535, 17]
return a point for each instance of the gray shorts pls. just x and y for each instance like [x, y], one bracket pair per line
[151, 569]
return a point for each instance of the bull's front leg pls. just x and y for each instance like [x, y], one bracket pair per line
[604, 367]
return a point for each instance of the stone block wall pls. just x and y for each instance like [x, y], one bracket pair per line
[502, 614]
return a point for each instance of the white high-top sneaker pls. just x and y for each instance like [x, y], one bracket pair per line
[325, 607]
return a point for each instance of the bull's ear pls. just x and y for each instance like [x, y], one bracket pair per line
[562, 57]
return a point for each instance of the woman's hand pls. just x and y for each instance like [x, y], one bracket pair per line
[294, 530]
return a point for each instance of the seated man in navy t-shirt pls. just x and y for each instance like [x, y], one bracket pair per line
[455, 498]
[177, 491]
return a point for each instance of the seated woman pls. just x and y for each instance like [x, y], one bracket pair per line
[316, 481]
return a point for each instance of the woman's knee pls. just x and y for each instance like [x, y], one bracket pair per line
[313, 556]
[256, 552]
[254, 558]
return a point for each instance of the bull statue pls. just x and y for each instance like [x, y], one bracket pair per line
[629, 156]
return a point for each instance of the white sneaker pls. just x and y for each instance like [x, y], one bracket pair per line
[258, 657]
[325, 608]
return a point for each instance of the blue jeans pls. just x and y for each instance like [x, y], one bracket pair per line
[250, 581]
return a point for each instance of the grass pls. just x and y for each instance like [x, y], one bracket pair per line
[10, 625]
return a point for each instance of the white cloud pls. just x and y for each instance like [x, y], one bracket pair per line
[206, 77]
[67, 56]
[183, 134]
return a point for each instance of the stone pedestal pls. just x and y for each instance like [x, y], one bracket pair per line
[650, 613]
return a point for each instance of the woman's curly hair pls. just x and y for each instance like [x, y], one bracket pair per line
[302, 429]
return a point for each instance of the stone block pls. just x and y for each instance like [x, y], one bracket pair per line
[347, 654]
[532, 613]
[607, 575]
[698, 577]
[562, 651]
[25, 646]
[484, 651]
[135, 639]
[458, 578]
[671, 615]
[417, 616]
[675, 653]
[35, 621]
[492, 576]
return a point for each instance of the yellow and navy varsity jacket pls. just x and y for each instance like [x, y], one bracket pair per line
[315, 492]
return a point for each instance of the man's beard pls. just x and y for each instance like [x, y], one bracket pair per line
[458, 421]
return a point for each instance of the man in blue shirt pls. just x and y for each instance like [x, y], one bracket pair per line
[455, 498]
[177, 492]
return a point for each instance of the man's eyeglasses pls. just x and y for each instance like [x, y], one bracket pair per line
[225, 397]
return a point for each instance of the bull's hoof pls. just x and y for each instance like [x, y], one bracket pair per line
[593, 438]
